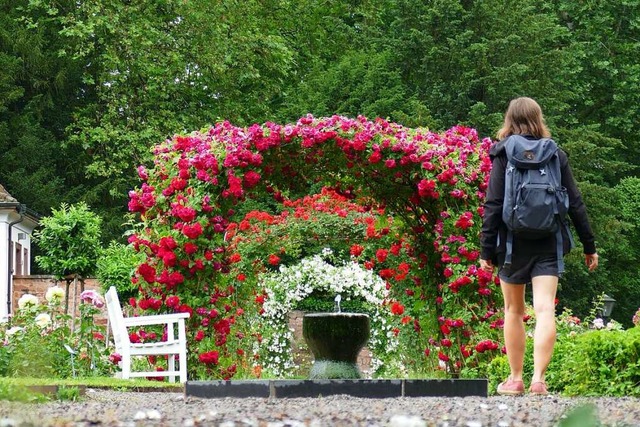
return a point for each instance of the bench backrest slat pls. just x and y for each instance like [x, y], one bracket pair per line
[120, 335]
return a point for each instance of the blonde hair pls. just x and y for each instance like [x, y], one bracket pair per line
[524, 117]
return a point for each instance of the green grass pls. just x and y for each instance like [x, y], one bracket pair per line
[20, 389]
[95, 382]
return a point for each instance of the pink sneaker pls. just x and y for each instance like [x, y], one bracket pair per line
[511, 388]
[538, 388]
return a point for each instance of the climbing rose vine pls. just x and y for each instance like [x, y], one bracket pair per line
[431, 186]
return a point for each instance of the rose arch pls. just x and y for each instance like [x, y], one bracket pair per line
[411, 201]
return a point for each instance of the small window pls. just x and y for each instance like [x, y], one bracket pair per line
[17, 262]
[25, 262]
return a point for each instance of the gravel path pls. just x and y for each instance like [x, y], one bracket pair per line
[110, 408]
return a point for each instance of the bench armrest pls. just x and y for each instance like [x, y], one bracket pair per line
[158, 319]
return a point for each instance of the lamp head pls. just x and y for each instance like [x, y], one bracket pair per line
[608, 304]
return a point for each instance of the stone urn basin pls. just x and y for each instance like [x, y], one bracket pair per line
[335, 339]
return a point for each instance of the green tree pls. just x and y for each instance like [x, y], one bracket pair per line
[144, 71]
[116, 266]
[70, 241]
[627, 291]
[606, 79]
[38, 91]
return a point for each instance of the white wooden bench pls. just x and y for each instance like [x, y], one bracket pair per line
[172, 347]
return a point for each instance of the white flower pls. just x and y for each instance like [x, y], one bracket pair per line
[43, 320]
[54, 294]
[327, 252]
[598, 323]
[612, 325]
[27, 301]
[13, 330]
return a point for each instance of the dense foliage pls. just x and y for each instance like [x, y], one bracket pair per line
[590, 358]
[69, 240]
[87, 88]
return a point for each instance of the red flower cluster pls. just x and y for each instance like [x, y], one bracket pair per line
[209, 358]
[487, 345]
[397, 308]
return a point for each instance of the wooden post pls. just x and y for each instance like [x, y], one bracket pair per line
[75, 297]
[67, 282]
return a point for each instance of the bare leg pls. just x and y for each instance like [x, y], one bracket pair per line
[514, 333]
[544, 294]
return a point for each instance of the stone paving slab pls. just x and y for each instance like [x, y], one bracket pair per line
[321, 388]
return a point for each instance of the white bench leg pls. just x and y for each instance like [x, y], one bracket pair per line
[183, 365]
[172, 367]
[126, 366]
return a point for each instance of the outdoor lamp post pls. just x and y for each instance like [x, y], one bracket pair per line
[607, 308]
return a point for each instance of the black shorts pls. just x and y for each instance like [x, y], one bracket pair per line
[523, 268]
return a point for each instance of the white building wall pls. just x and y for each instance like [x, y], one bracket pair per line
[4, 259]
[27, 226]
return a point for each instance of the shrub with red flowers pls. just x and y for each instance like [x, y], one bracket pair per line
[417, 195]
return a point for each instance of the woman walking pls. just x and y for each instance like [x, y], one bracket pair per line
[529, 260]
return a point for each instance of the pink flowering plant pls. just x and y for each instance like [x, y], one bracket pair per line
[429, 185]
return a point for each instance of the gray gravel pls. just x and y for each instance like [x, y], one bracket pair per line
[110, 408]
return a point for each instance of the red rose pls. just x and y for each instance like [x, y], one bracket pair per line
[192, 231]
[395, 249]
[208, 358]
[397, 308]
[147, 272]
[184, 308]
[274, 259]
[356, 250]
[168, 242]
[190, 248]
[375, 157]
[387, 273]
[172, 301]
[144, 304]
[381, 255]
[251, 179]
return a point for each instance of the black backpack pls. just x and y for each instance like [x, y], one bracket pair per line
[535, 202]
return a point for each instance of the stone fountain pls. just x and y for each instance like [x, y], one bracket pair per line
[335, 339]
